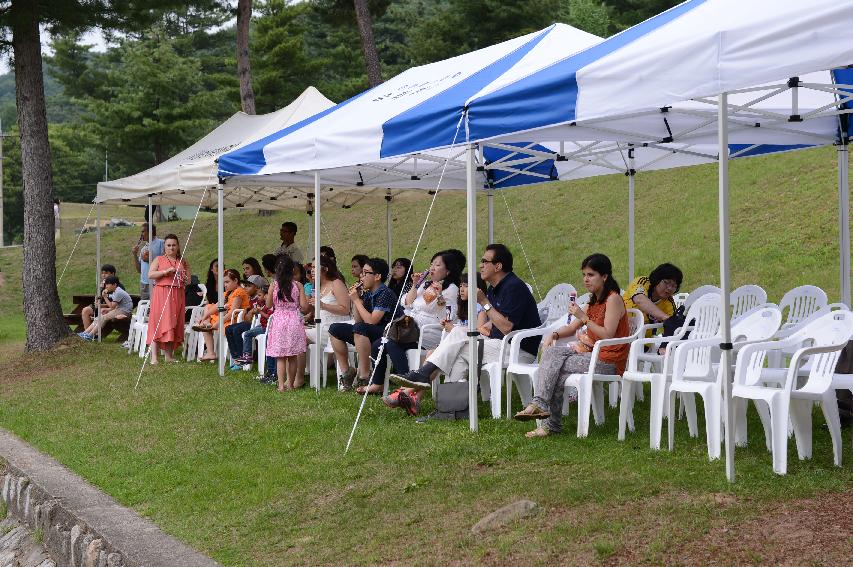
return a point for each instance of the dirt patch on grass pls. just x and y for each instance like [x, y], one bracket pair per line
[24, 367]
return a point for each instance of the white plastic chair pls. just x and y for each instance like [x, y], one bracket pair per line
[703, 322]
[700, 291]
[140, 315]
[745, 298]
[139, 328]
[191, 337]
[825, 337]
[680, 298]
[800, 303]
[523, 373]
[590, 386]
[693, 372]
[544, 305]
[256, 320]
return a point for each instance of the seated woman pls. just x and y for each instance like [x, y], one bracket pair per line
[653, 294]
[605, 317]
[251, 267]
[397, 281]
[409, 399]
[333, 299]
[235, 298]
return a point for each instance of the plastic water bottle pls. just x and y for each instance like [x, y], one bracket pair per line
[573, 296]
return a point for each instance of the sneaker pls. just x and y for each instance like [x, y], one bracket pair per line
[347, 378]
[392, 400]
[411, 404]
[247, 367]
[413, 379]
[235, 366]
[86, 336]
[269, 380]
[125, 344]
[244, 359]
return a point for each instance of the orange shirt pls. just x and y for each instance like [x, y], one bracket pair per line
[229, 302]
[616, 355]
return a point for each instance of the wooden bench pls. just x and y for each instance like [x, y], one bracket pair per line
[75, 318]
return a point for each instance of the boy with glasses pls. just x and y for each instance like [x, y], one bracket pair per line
[374, 305]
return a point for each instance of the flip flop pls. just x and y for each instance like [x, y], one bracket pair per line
[538, 432]
[361, 390]
[532, 412]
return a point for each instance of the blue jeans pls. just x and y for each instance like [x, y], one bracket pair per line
[233, 336]
[396, 352]
[249, 335]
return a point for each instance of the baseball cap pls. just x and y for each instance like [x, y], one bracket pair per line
[257, 281]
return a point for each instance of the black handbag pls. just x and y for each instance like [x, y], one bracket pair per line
[404, 330]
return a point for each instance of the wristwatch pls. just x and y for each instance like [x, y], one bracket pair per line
[487, 307]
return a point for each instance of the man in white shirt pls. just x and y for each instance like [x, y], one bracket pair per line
[288, 246]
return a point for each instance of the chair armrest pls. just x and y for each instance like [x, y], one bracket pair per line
[679, 356]
[650, 327]
[792, 374]
[518, 336]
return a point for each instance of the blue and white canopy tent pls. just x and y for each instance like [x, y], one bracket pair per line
[648, 88]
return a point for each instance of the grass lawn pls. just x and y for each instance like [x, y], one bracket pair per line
[257, 478]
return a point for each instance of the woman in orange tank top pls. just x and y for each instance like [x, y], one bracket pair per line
[605, 317]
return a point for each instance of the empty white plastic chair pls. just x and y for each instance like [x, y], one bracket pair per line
[826, 336]
[700, 291]
[680, 298]
[746, 298]
[191, 337]
[703, 322]
[693, 372]
[590, 386]
[140, 315]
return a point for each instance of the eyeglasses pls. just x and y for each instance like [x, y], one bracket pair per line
[484, 261]
[367, 273]
[669, 284]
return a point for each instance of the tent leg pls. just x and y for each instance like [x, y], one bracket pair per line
[220, 284]
[491, 201]
[471, 204]
[388, 225]
[725, 283]
[631, 229]
[318, 350]
[98, 265]
[844, 221]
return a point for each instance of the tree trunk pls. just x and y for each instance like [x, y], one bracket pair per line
[244, 69]
[368, 45]
[42, 309]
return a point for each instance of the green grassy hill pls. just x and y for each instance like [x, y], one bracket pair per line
[784, 229]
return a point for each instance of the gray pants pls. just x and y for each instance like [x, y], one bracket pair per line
[557, 363]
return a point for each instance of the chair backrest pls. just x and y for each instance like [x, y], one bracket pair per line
[831, 329]
[801, 302]
[556, 303]
[203, 289]
[694, 295]
[256, 320]
[195, 316]
[704, 316]
[583, 299]
[635, 321]
[142, 309]
[679, 299]
[758, 324]
[745, 298]
[237, 316]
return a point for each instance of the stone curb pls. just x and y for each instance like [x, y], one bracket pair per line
[80, 525]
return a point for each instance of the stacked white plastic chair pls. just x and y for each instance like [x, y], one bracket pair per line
[191, 337]
[746, 298]
[139, 329]
[818, 345]
[694, 372]
[523, 374]
[590, 386]
[140, 316]
[703, 322]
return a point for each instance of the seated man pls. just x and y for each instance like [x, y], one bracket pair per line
[508, 305]
[653, 295]
[117, 305]
[374, 305]
[88, 313]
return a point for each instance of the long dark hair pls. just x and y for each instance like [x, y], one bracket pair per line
[332, 272]
[284, 277]
[601, 264]
[402, 285]
[454, 268]
[211, 294]
[462, 304]
[253, 262]
[303, 276]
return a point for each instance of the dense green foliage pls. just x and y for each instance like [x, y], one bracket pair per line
[155, 91]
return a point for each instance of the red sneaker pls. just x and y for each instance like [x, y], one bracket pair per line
[411, 404]
[392, 400]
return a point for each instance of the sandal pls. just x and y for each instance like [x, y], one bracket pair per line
[538, 432]
[202, 328]
[532, 412]
[366, 389]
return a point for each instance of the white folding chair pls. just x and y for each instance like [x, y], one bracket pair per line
[140, 315]
[703, 322]
[590, 386]
[693, 372]
[818, 345]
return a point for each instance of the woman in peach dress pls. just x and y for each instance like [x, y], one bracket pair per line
[170, 274]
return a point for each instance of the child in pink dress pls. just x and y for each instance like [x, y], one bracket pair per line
[285, 329]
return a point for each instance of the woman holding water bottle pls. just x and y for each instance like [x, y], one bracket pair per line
[605, 317]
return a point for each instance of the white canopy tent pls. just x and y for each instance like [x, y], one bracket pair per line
[622, 90]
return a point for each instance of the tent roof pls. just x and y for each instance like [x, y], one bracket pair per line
[632, 88]
[180, 179]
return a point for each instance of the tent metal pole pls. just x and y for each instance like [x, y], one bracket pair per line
[98, 264]
[844, 220]
[726, 358]
[631, 229]
[319, 347]
[471, 206]
[220, 284]
[491, 200]
[150, 219]
[388, 225]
